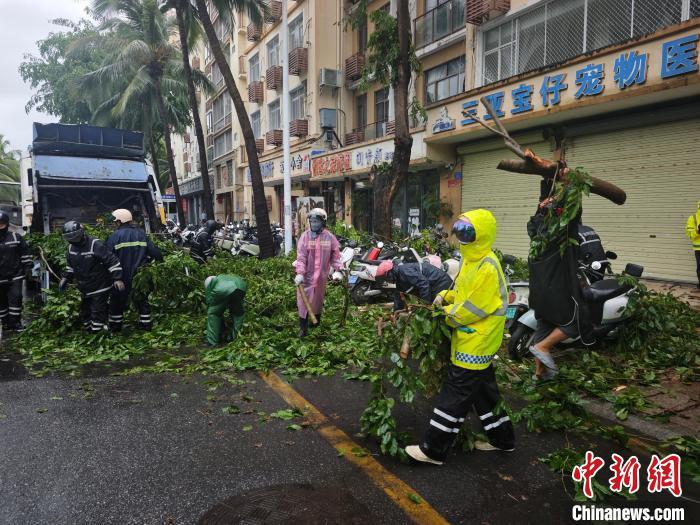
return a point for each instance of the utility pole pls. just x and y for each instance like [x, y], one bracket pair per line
[285, 134]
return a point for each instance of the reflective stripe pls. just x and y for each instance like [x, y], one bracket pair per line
[129, 244]
[497, 423]
[472, 308]
[11, 243]
[16, 308]
[486, 416]
[447, 416]
[473, 359]
[99, 291]
[115, 267]
[18, 278]
[443, 427]
[502, 289]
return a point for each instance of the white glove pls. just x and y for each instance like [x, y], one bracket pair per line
[438, 300]
[119, 285]
[299, 279]
[337, 276]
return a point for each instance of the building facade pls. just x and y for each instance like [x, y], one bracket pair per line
[612, 87]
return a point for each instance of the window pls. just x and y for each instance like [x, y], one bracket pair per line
[362, 36]
[298, 102]
[441, 18]
[221, 112]
[223, 144]
[296, 32]
[274, 119]
[562, 29]
[445, 80]
[381, 105]
[254, 68]
[216, 77]
[273, 52]
[361, 111]
[255, 124]
[209, 122]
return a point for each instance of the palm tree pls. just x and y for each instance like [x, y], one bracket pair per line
[187, 30]
[9, 171]
[256, 10]
[142, 64]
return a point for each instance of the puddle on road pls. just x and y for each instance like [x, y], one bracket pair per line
[289, 504]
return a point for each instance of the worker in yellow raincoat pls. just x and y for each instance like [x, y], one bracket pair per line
[692, 231]
[475, 310]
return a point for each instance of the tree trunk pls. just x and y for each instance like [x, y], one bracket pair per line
[169, 150]
[202, 146]
[154, 159]
[386, 184]
[262, 218]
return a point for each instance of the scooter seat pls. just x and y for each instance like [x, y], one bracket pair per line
[603, 290]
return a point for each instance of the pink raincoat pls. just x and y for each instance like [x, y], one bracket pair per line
[314, 260]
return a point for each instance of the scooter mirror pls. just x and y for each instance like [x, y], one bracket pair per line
[611, 255]
[380, 245]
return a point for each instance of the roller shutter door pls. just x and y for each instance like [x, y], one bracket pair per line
[659, 168]
[511, 197]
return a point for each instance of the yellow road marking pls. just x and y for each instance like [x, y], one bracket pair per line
[393, 487]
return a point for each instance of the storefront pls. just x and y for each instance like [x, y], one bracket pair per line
[629, 115]
[192, 195]
[344, 175]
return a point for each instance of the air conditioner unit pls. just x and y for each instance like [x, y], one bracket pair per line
[329, 118]
[330, 78]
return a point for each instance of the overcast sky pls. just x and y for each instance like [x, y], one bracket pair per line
[23, 23]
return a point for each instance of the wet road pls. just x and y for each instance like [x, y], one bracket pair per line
[162, 449]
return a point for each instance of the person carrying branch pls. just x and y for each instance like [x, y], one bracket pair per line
[692, 231]
[203, 245]
[96, 270]
[422, 279]
[133, 248]
[317, 251]
[475, 310]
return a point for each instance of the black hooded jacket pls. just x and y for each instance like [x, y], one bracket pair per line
[420, 279]
[93, 266]
[15, 259]
[203, 245]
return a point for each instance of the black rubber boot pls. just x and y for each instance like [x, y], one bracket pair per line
[303, 327]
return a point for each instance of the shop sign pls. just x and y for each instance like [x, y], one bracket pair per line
[168, 197]
[443, 122]
[414, 212]
[610, 74]
[300, 162]
[331, 164]
[453, 183]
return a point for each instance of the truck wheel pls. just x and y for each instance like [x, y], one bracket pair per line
[519, 342]
[358, 293]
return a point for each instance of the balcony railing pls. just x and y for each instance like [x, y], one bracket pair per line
[438, 23]
[298, 61]
[255, 92]
[221, 123]
[299, 128]
[371, 131]
[274, 137]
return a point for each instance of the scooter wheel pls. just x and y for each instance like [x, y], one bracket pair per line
[519, 343]
[357, 293]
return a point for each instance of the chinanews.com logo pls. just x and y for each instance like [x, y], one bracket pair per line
[662, 474]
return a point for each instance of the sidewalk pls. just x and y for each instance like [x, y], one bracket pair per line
[686, 292]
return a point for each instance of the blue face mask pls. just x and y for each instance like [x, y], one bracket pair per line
[315, 224]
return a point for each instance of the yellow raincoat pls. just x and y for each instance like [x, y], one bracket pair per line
[476, 307]
[691, 229]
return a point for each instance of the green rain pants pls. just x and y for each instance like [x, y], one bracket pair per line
[224, 292]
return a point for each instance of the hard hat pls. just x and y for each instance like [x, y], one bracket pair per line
[4, 218]
[319, 213]
[122, 216]
[384, 268]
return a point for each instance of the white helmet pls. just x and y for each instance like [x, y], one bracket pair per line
[207, 281]
[318, 212]
[122, 215]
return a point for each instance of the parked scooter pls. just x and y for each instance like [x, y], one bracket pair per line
[605, 298]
